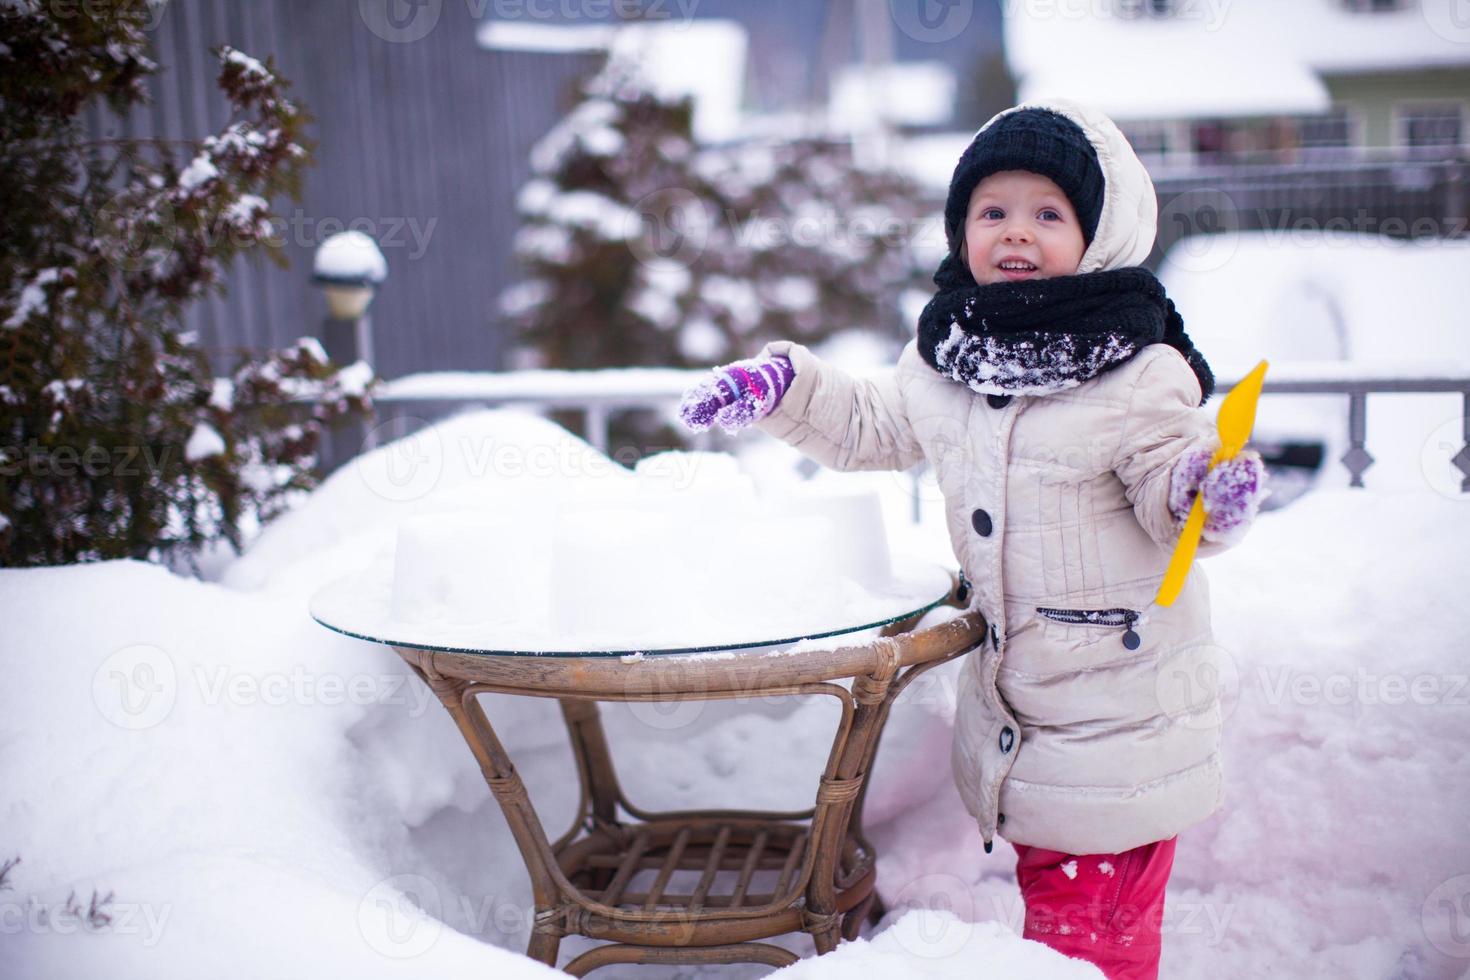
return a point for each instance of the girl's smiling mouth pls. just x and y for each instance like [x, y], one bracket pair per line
[1017, 268]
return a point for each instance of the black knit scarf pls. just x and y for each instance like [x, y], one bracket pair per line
[1037, 336]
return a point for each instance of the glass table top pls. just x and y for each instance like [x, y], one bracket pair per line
[360, 606]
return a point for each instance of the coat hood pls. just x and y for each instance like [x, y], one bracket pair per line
[1130, 212]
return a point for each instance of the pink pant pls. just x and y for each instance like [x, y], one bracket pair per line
[1102, 908]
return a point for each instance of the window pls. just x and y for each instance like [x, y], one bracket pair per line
[1430, 124]
[1331, 134]
[1149, 139]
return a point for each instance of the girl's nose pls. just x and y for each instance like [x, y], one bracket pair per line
[1017, 233]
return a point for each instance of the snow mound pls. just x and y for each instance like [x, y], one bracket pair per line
[274, 799]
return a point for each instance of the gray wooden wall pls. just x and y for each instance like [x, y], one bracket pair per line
[433, 132]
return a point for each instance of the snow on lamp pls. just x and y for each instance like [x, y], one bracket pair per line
[349, 267]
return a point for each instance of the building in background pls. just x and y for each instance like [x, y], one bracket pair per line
[1195, 84]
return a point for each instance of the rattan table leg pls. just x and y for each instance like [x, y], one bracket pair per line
[510, 792]
[594, 759]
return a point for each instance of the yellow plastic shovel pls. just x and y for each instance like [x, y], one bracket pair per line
[1235, 420]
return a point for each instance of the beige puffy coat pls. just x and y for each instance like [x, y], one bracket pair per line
[1065, 738]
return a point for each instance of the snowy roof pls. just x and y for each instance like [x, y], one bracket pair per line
[1245, 57]
[911, 93]
[930, 158]
[702, 58]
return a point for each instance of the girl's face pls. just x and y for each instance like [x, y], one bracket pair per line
[1020, 226]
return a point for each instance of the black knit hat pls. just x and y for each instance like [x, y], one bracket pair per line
[1041, 141]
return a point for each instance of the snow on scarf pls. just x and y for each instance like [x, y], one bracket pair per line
[1037, 336]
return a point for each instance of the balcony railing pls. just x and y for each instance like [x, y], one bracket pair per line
[597, 395]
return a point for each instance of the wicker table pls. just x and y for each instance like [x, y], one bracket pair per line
[818, 867]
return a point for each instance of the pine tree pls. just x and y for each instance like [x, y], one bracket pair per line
[642, 248]
[116, 440]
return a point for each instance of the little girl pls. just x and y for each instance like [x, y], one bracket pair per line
[1056, 396]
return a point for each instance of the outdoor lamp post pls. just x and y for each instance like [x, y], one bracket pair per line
[349, 268]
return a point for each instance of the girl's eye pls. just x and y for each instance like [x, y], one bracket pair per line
[997, 214]
[1050, 211]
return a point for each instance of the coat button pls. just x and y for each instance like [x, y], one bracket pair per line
[997, 401]
[994, 638]
[1000, 819]
[981, 521]
[1007, 739]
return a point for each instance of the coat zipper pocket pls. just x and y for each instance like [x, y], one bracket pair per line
[1098, 617]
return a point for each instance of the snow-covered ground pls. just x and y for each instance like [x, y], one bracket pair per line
[262, 797]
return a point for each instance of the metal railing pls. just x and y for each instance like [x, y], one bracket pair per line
[600, 394]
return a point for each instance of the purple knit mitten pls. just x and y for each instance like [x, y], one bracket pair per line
[737, 394]
[1232, 491]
